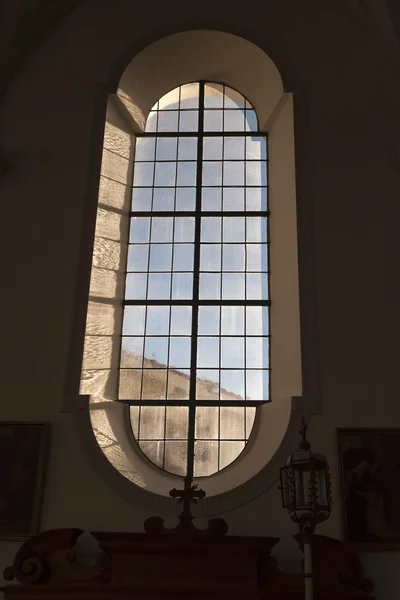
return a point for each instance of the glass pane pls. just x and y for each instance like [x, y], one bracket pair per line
[213, 95]
[208, 352]
[136, 286]
[152, 419]
[185, 198]
[256, 229]
[154, 384]
[151, 123]
[229, 451]
[205, 458]
[257, 320]
[232, 352]
[232, 423]
[210, 286]
[159, 286]
[163, 199]
[141, 198]
[138, 257]
[210, 257]
[256, 148]
[232, 385]
[257, 352]
[257, 385]
[134, 320]
[170, 100]
[167, 121]
[130, 382]
[166, 148]
[181, 320]
[176, 457]
[182, 286]
[160, 257]
[161, 229]
[134, 417]
[234, 229]
[257, 257]
[179, 352]
[178, 385]
[190, 95]
[206, 427]
[211, 229]
[132, 352]
[212, 173]
[208, 322]
[257, 286]
[213, 120]
[157, 322]
[154, 451]
[155, 352]
[233, 257]
[183, 257]
[256, 199]
[165, 173]
[233, 286]
[189, 120]
[233, 173]
[250, 418]
[233, 99]
[234, 199]
[232, 320]
[211, 199]
[187, 148]
[207, 385]
[184, 229]
[140, 229]
[176, 426]
[143, 174]
[234, 147]
[234, 120]
[187, 172]
[255, 173]
[212, 148]
[251, 121]
[144, 149]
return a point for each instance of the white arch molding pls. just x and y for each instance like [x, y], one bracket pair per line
[215, 56]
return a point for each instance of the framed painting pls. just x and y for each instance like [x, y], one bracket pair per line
[369, 462]
[22, 452]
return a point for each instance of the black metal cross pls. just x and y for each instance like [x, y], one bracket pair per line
[189, 494]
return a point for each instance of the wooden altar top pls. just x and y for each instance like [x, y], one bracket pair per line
[153, 567]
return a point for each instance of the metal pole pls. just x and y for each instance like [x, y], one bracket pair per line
[307, 551]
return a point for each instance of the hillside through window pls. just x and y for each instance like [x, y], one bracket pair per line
[195, 348]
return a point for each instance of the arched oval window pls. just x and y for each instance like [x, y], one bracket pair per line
[216, 173]
[194, 360]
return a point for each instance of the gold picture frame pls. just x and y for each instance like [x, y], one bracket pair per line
[369, 463]
[23, 448]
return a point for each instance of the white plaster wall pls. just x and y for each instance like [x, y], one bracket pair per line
[48, 132]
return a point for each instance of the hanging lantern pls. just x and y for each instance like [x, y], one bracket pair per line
[306, 486]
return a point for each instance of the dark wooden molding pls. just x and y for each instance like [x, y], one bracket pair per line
[162, 566]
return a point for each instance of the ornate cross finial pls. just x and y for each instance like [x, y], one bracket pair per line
[304, 444]
[189, 494]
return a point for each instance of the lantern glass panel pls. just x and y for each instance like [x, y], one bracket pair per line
[322, 487]
[302, 479]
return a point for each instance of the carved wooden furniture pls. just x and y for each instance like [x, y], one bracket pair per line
[138, 566]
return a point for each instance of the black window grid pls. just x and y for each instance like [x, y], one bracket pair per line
[195, 302]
